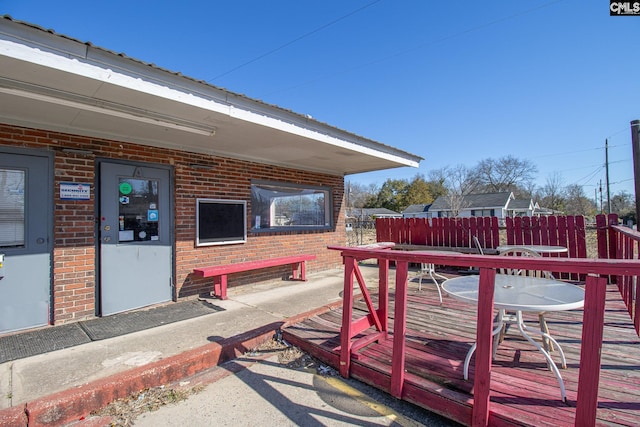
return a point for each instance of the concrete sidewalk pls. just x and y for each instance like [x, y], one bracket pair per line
[271, 391]
[62, 386]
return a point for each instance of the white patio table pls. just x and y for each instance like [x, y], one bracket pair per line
[521, 293]
[541, 249]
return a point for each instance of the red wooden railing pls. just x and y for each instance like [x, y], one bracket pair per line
[617, 242]
[595, 270]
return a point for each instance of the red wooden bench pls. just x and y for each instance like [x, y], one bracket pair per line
[220, 272]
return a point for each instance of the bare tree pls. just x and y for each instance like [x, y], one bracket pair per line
[622, 203]
[505, 174]
[459, 182]
[358, 195]
[577, 203]
[552, 194]
[437, 180]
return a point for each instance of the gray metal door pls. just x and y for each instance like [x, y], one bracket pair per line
[135, 237]
[26, 209]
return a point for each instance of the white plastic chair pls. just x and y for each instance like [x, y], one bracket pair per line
[476, 243]
[428, 269]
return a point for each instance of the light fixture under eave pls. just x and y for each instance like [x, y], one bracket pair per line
[201, 167]
[114, 110]
[78, 151]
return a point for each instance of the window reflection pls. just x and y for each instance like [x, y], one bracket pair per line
[277, 206]
[138, 210]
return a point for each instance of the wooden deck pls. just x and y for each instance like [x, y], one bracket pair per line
[523, 390]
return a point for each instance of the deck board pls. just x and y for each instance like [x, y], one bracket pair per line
[523, 390]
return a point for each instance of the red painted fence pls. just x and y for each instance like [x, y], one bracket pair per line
[450, 232]
[567, 231]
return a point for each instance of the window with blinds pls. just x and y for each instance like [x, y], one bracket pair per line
[12, 188]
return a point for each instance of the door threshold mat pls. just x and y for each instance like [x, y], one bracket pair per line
[27, 344]
[135, 321]
[32, 343]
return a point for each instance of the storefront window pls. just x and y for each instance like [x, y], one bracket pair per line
[279, 206]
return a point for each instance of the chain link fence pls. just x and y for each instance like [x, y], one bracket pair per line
[360, 231]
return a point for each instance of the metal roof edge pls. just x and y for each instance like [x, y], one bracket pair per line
[218, 93]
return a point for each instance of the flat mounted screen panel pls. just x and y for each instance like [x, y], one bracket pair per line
[220, 222]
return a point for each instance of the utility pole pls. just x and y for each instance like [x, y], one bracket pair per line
[606, 157]
[601, 209]
[635, 143]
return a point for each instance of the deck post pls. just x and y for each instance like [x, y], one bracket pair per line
[635, 149]
[590, 351]
[399, 329]
[484, 329]
[383, 295]
[347, 310]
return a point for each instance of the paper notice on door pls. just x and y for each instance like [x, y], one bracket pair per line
[125, 235]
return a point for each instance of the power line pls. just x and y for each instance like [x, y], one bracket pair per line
[294, 41]
[620, 182]
[617, 133]
[589, 177]
[566, 153]
[620, 161]
[421, 46]
[575, 151]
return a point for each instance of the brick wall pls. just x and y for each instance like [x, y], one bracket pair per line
[74, 255]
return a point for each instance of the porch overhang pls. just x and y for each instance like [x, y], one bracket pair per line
[56, 83]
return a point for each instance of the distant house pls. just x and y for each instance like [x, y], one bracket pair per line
[479, 205]
[366, 217]
[522, 207]
[527, 207]
[539, 211]
[417, 211]
[500, 205]
[371, 213]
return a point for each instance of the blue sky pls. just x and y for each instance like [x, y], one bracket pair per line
[453, 82]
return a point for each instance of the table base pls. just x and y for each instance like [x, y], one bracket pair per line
[505, 319]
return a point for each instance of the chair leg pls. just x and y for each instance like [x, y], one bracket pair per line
[421, 274]
[496, 337]
[548, 345]
[509, 319]
[502, 333]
